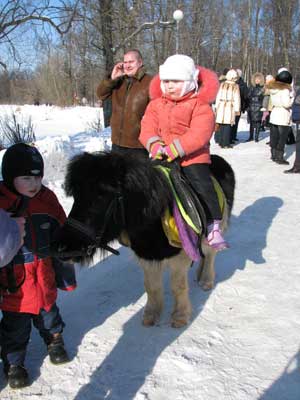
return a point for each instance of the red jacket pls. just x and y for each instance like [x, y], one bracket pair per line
[43, 216]
[188, 122]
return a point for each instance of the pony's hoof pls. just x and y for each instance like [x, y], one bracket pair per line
[206, 285]
[148, 321]
[150, 318]
[179, 322]
[180, 318]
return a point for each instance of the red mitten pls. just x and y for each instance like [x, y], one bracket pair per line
[157, 150]
[171, 152]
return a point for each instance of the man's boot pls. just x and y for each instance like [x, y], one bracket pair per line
[256, 134]
[280, 159]
[273, 154]
[250, 138]
[294, 170]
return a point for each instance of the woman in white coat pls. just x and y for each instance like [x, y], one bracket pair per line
[281, 97]
[228, 106]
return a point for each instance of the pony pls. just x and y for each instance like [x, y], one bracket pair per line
[123, 197]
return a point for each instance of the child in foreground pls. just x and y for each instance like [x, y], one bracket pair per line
[28, 284]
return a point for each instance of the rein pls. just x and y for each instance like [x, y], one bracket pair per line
[116, 202]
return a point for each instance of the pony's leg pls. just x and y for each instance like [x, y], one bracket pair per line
[206, 269]
[154, 289]
[182, 310]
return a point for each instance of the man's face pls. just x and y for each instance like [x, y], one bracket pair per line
[131, 63]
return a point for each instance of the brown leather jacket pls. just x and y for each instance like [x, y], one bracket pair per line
[130, 97]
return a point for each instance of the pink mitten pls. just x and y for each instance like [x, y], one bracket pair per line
[157, 150]
[171, 152]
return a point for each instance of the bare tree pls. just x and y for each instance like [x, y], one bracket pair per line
[59, 15]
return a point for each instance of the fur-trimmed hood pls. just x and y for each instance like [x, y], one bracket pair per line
[208, 86]
[276, 85]
[261, 78]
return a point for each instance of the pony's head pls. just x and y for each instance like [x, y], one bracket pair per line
[112, 193]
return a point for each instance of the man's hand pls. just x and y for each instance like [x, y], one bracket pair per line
[117, 71]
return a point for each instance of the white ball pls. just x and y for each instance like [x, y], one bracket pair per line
[178, 15]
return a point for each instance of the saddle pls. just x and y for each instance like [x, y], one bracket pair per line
[185, 224]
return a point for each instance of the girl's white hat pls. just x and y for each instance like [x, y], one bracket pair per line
[178, 68]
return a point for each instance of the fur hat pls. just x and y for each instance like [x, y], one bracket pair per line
[284, 77]
[179, 68]
[232, 75]
[21, 160]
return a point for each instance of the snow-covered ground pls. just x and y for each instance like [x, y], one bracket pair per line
[243, 342]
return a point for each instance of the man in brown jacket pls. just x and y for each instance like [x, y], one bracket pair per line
[128, 89]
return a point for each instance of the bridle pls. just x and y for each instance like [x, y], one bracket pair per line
[114, 206]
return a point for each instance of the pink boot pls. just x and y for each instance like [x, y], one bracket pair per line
[215, 238]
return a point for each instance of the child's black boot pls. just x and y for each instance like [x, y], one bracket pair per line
[17, 376]
[56, 350]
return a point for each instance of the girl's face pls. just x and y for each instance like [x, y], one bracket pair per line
[173, 88]
[257, 81]
[28, 185]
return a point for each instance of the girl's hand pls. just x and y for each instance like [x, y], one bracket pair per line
[157, 150]
[171, 152]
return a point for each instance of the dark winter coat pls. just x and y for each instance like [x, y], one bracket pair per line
[296, 108]
[10, 239]
[255, 103]
[243, 93]
[43, 216]
[129, 96]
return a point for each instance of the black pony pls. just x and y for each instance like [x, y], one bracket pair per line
[123, 197]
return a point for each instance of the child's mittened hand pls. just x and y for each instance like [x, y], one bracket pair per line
[157, 150]
[171, 152]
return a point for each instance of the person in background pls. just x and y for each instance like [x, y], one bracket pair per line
[281, 97]
[267, 106]
[12, 231]
[128, 89]
[222, 77]
[28, 284]
[228, 106]
[244, 104]
[178, 125]
[296, 119]
[255, 105]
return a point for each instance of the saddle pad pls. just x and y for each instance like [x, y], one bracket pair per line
[197, 227]
[220, 193]
[179, 234]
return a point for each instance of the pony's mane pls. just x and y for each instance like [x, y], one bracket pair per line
[142, 185]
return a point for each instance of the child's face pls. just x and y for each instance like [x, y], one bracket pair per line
[28, 185]
[173, 88]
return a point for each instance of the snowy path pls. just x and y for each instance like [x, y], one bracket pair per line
[244, 337]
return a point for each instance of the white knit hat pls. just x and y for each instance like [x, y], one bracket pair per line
[232, 75]
[178, 68]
